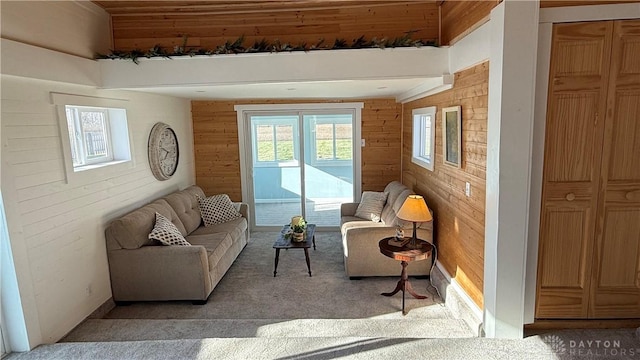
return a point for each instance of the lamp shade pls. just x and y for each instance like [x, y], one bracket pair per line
[415, 209]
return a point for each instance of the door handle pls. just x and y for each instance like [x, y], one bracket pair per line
[570, 196]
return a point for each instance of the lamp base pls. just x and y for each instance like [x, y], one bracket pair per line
[412, 245]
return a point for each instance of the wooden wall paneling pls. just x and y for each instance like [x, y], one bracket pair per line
[459, 220]
[615, 288]
[459, 18]
[168, 26]
[579, 74]
[215, 142]
[217, 153]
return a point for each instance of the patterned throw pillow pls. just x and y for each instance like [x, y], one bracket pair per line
[167, 233]
[217, 209]
[371, 205]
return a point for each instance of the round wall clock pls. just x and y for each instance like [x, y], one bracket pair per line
[163, 151]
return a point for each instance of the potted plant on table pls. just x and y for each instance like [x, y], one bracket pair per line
[298, 228]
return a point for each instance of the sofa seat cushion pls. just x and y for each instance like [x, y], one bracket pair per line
[358, 223]
[216, 245]
[132, 230]
[349, 218]
[235, 228]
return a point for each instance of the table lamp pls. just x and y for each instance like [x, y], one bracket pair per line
[415, 210]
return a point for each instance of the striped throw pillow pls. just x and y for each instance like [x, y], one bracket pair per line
[371, 205]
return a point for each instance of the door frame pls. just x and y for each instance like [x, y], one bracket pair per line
[242, 116]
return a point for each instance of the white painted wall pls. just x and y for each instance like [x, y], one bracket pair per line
[79, 28]
[471, 50]
[514, 39]
[57, 229]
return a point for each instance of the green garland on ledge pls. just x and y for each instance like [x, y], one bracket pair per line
[262, 46]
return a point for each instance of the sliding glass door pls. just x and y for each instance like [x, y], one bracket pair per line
[328, 166]
[301, 163]
[276, 167]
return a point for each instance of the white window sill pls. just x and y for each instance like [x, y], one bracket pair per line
[422, 163]
[98, 166]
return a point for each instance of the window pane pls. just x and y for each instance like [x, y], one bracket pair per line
[284, 142]
[266, 150]
[73, 139]
[324, 142]
[344, 142]
[94, 132]
[426, 123]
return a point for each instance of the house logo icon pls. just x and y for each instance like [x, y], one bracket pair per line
[555, 343]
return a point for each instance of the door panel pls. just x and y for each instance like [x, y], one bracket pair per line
[620, 253]
[276, 185]
[616, 276]
[573, 144]
[572, 135]
[618, 271]
[328, 165]
[566, 272]
[624, 162]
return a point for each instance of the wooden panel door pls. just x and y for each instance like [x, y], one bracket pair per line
[579, 76]
[615, 285]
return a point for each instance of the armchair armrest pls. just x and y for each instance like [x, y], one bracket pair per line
[160, 273]
[243, 208]
[348, 209]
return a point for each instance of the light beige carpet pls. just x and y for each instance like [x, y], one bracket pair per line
[249, 290]
[251, 302]
[252, 315]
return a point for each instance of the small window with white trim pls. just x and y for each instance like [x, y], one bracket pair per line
[424, 137]
[97, 136]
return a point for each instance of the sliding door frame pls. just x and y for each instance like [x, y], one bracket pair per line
[244, 112]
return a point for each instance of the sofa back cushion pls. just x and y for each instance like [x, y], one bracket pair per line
[185, 204]
[393, 189]
[132, 230]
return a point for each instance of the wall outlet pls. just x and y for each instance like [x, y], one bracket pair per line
[467, 189]
[362, 143]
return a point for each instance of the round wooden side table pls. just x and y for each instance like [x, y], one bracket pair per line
[404, 254]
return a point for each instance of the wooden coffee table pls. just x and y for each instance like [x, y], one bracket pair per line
[405, 255]
[286, 243]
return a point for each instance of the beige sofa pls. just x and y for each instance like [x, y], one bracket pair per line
[144, 270]
[360, 238]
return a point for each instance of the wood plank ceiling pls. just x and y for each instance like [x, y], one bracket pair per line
[235, 7]
[208, 24]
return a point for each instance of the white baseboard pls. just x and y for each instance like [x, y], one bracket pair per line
[456, 299]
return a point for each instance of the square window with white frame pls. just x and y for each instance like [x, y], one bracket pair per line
[88, 135]
[424, 137]
[97, 136]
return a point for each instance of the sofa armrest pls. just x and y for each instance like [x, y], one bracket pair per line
[160, 273]
[348, 209]
[243, 208]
